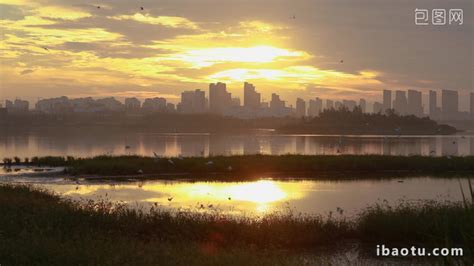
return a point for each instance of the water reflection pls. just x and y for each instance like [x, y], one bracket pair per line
[263, 196]
[89, 143]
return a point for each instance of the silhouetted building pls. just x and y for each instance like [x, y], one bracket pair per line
[300, 107]
[18, 106]
[363, 105]
[157, 104]
[219, 99]
[193, 102]
[315, 107]
[471, 106]
[449, 104]
[111, 104]
[251, 97]
[387, 100]
[400, 103]
[132, 104]
[329, 104]
[433, 106]
[338, 105]
[349, 104]
[277, 106]
[377, 107]
[415, 106]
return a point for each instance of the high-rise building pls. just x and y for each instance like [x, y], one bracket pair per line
[132, 104]
[349, 104]
[111, 104]
[329, 104]
[157, 104]
[377, 108]
[471, 109]
[220, 100]
[315, 107]
[415, 106]
[387, 100]
[300, 107]
[236, 102]
[449, 104]
[193, 102]
[338, 105]
[277, 106]
[400, 103]
[251, 97]
[433, 106]
[363, 105]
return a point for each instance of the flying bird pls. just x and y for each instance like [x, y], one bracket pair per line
[98, 7]
[342, 61]
[45, 48]
[170, 198]
[141, 8]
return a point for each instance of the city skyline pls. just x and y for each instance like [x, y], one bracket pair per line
[220, 101]
[57, 47]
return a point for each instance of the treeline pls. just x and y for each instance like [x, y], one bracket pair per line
[344, 121]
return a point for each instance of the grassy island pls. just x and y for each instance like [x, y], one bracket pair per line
[255, 165]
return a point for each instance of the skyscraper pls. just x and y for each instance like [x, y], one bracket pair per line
[219, 99]
[277, 106]
[300, 107]
[400, 103]
[415, 106]
[349, 104]
[193, 102]
[433, 105]
[132, 104]
[449, 104]
[315, 107]
[377, 108]
[363, 105]
[329, 104]
[471, 109]
[251, 97]
[387, 100]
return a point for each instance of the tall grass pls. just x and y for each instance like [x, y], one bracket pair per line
[41, 228]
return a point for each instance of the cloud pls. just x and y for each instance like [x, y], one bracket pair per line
[166, 21]
[27, 71]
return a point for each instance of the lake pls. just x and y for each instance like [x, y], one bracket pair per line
[87, 142]
[256, 197]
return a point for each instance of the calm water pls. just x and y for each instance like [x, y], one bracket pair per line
[85, 142]
[258, 197]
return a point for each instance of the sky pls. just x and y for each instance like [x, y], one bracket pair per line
[337, 49]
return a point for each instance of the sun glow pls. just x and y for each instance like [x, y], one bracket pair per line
[257, 54]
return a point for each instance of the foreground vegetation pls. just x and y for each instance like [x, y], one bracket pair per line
[37, 227]
[254, 165]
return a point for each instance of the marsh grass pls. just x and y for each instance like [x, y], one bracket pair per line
[37, 227]
[253, 165]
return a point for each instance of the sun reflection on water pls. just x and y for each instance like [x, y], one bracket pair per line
[258, 196]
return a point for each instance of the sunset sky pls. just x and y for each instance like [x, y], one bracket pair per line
[71, 47]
